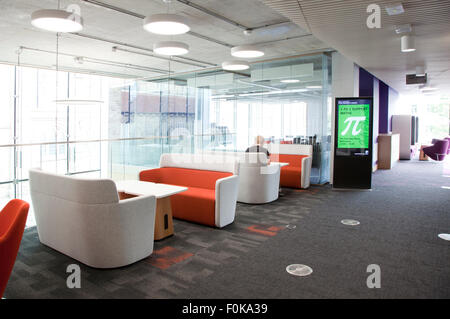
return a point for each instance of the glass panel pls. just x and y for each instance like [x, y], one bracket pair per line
[6, 194]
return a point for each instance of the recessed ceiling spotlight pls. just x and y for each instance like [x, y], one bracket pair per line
[290, 81]
[404, 28]
[235, 65]
[246, 51]
[170, 48]
[408, 43]
[395, 9]
[166, 24]
[57, 20]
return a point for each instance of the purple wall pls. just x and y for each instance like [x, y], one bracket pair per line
[387, 99]
[365, 83]
[383, 115]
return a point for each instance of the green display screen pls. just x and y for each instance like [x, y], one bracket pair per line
[353, 126]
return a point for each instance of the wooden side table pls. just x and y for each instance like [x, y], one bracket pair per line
[162, 192]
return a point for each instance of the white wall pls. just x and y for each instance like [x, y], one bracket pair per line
[345, 83]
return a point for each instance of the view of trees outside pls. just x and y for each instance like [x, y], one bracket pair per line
[434, 116]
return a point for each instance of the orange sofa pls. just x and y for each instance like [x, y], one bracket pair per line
[212, 189]
[297, 174]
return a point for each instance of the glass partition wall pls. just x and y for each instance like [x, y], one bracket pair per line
[286, 101]
[111, 127]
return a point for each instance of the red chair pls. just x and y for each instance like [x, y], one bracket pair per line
[12, 224]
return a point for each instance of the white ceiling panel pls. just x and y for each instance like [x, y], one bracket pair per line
[342, 25]
[120, 26]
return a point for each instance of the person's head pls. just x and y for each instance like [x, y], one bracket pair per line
[259, 140]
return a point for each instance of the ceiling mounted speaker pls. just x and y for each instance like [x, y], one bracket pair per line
[166, 24]
[415, 79]
[57, 20]
[408, 43]
[235, 65]
[246, 51]
[170, 48]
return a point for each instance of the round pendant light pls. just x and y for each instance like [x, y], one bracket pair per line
[166, 24]
[170, 48]
[235, 65]
[246, 51]
[408, 43]
[57, 20]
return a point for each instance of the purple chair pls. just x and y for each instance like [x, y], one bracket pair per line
[434, 140]
[438, 150]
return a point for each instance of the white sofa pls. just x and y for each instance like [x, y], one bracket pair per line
[278, 152]
[259, 181]
[85, 220]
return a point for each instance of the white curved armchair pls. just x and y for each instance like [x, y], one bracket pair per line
[259, 181]
[85, 220]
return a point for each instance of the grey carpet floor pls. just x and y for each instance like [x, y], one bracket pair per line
[400, 220]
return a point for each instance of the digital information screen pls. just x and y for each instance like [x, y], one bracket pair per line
[353, 143]
[353, 124]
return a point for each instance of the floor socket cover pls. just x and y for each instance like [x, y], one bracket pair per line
[299, 270]
[350, 222]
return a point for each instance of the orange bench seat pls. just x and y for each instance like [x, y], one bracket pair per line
[198, 203]
[290, 175]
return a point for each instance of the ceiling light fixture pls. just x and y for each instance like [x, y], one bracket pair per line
[290, 81]
[170, 48]
[275, 92]
[78, 102]
[395, 9]
[235, 65]
[429, 89]
[314, 87]
[408, 43]
[57, 20]
[166, 24]
[246, 51]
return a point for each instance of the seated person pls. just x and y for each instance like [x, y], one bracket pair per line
[258, 147]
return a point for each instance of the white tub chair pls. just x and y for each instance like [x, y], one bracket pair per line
[84, 219]
[259, 181]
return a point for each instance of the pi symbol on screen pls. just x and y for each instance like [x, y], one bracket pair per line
[356, 120]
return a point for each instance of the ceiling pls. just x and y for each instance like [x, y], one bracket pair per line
[117, 24]
[342, 25]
